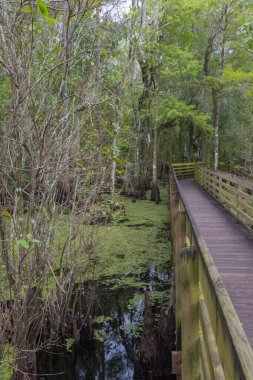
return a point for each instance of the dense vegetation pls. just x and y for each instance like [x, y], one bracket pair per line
[98, 98]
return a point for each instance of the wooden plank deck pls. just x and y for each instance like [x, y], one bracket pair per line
[230, 246]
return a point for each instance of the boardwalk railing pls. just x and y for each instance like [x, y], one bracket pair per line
[233, 192]
[186, 169]
[209, 333]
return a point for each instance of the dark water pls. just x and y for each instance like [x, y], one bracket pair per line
[118, 322]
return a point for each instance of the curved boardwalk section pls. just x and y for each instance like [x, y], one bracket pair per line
[230, 246]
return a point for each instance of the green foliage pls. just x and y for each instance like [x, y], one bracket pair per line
[22, 243]
[7, 362]
[231, 75]
[133, 330]
[174, 110]
[25, 243]
[102, 319]
[69, 343]
[27, 9]
[42, 8]
[4, 94]
[100, 335]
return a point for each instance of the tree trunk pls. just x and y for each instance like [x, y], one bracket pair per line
[167, 338]
[217, 94]
[152, 361]
[140, 184]
[65, 182]
[148, 363]
[114, 158]
[205, 95]
[155, 193]
[217, 109]
[203, 147]
[191, 142]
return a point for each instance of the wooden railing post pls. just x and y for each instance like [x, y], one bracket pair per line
[176, 245]
[180, 239]
[173, 198]
[198, 172]
[219, 188]
[238, 200]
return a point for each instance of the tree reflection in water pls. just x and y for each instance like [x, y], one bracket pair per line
[111, 358]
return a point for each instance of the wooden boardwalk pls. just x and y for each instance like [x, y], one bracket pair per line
[230, 246]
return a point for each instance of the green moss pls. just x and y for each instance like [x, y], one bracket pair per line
[130, 247]
[137, 244]
[124, 251]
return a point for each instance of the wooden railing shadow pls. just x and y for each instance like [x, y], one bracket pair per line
[209, 333]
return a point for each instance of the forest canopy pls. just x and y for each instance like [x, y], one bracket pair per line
[117, 78]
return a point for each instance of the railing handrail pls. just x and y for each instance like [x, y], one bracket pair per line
[185, 169]
[238, 339]
[241, 181]
[234, 193]
[187, 163]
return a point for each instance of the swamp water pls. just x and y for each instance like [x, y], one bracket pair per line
[134, 259]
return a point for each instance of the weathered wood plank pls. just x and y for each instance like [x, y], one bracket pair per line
[209, 338]
[189, 290]
[232, 178]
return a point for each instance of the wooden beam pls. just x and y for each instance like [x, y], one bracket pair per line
[189, 306]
